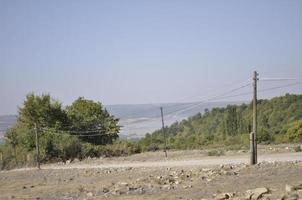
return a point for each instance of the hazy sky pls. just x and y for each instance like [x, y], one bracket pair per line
[121, 52]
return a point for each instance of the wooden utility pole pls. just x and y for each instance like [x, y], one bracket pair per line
[255, 79]
[163, 127]
[37, 146]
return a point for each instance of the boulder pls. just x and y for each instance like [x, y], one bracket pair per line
[256, 193]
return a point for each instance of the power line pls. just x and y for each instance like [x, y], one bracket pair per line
[212, 98]
[279, 87]
[279, 79]
[240, 83]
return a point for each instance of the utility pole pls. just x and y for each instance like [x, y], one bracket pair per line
[163, 127]
[255, 79]
[37, 146]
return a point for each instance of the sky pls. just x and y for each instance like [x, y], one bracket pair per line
[136, 52]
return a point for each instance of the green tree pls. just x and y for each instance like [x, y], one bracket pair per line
[90, 118]
[294, 133]
[42, 111]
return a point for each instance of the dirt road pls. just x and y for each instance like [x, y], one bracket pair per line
[204, 161]
[184, 175]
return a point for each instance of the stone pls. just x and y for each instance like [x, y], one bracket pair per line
[292, 196]
[187, 186]
[224, 196]
[177, 182]
[89, 194]
[105, 190]
[123, 183]
[256, 193]
[289, 188]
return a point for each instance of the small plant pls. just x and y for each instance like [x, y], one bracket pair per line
[215, 152]
[298, 149]
[81, 189]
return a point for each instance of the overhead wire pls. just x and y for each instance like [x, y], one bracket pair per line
[279, 79]
[211, 98]
[279, 87]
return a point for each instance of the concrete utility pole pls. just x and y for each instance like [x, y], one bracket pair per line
[37, 146]
[163, 127]
[254, 133]
[252, 148]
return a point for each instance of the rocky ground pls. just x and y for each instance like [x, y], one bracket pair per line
[266, 180]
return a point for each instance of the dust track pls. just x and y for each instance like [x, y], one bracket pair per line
[206, 161]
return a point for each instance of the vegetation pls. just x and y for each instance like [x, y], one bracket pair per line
[85, 129]
[81, 130]
[279, 120]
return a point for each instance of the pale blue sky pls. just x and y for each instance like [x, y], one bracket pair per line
[121, 52]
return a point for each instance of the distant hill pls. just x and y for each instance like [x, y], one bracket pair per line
[279, 120]
[138, 119]
[6, 122]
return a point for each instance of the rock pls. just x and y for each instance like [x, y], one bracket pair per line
[298, 187]
[123, 183]
[289, 188]
[105, 190]
[167, 187]
[223, 196]
[177, 182]
[187, 186]
[89, 194]
[136, 190]
[292, 196]
[68, 162]
[256, 193]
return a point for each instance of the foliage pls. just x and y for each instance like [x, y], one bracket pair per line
[215, 152]
[279, 120]
[86, 115]
[294, 133]
[63, 133]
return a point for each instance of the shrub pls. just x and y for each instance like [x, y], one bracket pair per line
[215, 152]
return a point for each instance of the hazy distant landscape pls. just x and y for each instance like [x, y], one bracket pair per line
[6, 121]
[138, 119]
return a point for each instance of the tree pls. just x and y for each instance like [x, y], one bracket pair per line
[89, 118]
[294, 133]
[42, 111]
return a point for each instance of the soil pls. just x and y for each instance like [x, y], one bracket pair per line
[183, 175]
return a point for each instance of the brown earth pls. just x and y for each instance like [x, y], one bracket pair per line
[184, 175]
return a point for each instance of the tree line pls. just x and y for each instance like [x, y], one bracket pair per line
[86, 129]
[279, 120]
[83, 129]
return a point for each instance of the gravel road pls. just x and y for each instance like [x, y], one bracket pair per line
[205, 161]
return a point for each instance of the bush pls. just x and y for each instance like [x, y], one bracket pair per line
[215, 152]
[298, 149]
